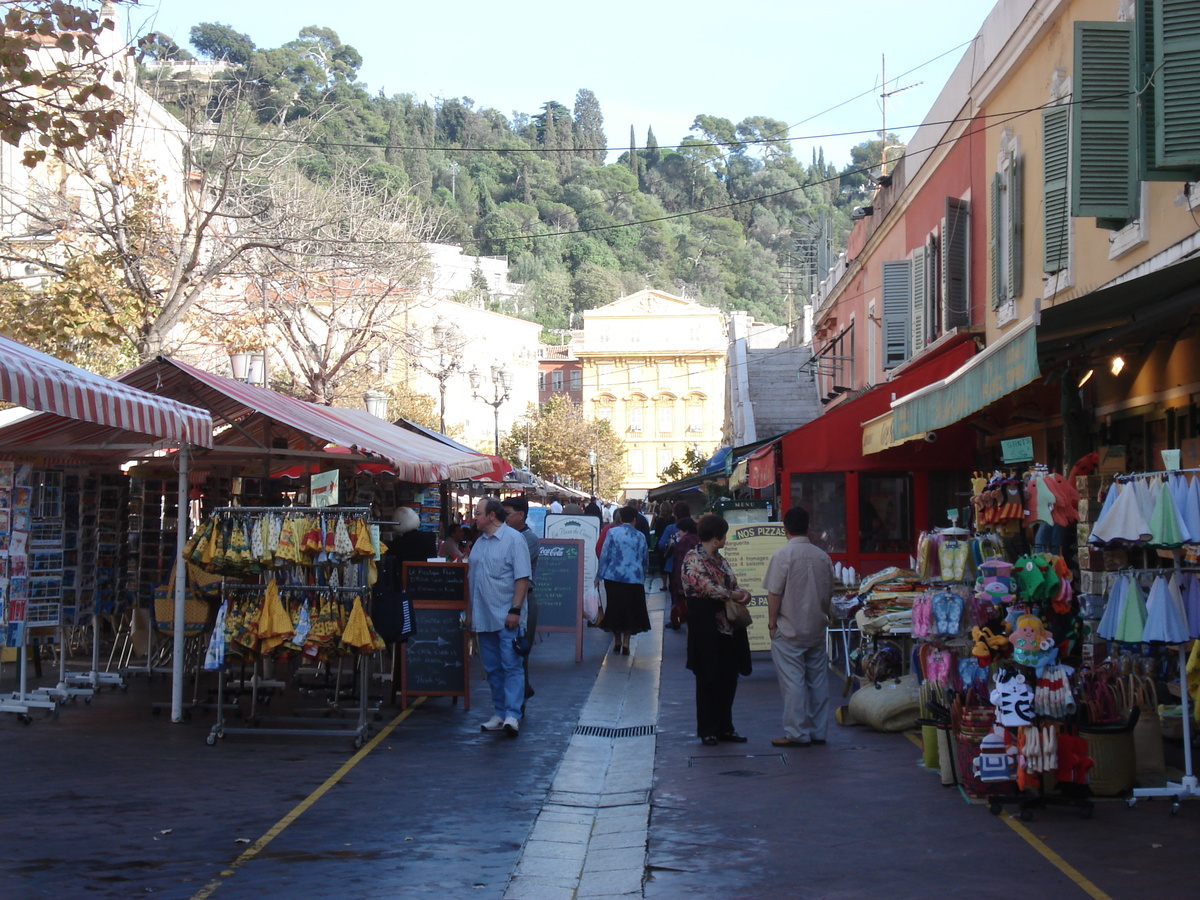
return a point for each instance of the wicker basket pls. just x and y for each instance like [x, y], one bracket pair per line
[1115, 769]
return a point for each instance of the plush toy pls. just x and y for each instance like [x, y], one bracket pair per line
[1013, 698]
[988, 644]
[1030, 641]
[996, 760]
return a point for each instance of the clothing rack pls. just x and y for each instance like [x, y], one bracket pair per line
[358, 729]
[1188, 786]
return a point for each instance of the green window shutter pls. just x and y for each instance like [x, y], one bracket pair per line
[1056, 167]
[920, 293]
[1016, 224]
[897, 298]
[956, 258]
[1103, 128]
[1177, 101]
[995, 198]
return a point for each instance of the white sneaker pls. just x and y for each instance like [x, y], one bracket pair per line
[512, 727]
[495, 723]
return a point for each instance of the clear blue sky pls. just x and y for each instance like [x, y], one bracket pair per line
[649, 64]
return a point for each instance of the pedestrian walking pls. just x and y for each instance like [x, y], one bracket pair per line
[499, 578]
[517, 511]
[622, 567]
[716, 652]
[799, 586]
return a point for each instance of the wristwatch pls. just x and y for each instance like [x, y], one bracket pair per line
[514, 610]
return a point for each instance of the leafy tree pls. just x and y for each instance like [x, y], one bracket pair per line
[216, 41]
[692, 464]
[159, 46]
[558, 437]
[590, 141]
[56, 82]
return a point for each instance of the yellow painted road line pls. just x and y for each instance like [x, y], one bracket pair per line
[299, 809]
[1037, 844]
[1055, 860]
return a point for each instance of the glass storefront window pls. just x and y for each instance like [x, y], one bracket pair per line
[885, 514]
[824, 496]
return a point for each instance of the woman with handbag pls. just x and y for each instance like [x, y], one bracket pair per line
[718, 650]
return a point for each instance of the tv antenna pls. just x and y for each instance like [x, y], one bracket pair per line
[883, 96]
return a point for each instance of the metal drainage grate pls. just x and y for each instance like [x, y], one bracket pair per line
[606, 731]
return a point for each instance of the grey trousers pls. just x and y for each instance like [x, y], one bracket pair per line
[803, 674]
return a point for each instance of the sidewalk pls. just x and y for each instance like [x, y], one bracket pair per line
[606, 793]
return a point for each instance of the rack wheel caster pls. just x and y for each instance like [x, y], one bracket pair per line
[87, 701]
[210, 739]
[1026, 815]
[1131, 802]
[995, 808]
[1174, 806]
[358, 742]
[25, 718]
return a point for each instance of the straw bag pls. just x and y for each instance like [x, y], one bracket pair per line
[1148, 732]
[737, 614]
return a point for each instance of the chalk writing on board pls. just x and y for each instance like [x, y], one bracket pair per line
[433, 657]
[437, 581]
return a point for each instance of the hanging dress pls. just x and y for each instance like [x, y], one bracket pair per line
[1107, 628]
[1191, 603]
[1133, 614]
[1179, 491]
[1191, 509]
[1164, 526]
[1110, 499]
[1125, 520]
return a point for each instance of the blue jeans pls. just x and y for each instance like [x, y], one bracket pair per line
[505, 676]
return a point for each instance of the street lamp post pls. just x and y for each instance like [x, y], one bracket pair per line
[592, 466]
[448, 341]
[501, 388]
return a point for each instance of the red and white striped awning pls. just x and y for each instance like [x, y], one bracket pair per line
[38, 381]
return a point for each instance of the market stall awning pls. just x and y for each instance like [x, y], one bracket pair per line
[878, 434]
[1002, 368]
[833, 442]
[41, 382]
[760, 467]
[412, 457]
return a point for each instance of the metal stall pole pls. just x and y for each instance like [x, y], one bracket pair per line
[181, 524]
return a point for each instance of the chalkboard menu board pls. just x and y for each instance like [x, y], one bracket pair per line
[434, 660]
[436, 581]
[559, 590]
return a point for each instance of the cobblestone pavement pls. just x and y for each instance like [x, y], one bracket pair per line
[606, 793]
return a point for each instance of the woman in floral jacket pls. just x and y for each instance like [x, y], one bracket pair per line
[716, 653]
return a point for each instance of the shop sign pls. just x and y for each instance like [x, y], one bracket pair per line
[323, 488]
[1017, 450]
[748, 549]
[1112, 459]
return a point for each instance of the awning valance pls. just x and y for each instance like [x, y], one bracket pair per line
[1008, 364]
[38, 381]
[760, 467]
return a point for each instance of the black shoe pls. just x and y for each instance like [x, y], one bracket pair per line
[624, 651]
[709, 741]
[732, 738]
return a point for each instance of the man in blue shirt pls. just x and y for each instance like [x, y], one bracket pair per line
[499, 576]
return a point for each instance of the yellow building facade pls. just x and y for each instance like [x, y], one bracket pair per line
[654, 367]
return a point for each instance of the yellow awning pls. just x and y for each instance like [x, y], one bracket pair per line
[878, 435]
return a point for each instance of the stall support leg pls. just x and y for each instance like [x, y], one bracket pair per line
[177, 663]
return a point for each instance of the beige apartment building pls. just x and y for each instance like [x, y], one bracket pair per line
[654, 366]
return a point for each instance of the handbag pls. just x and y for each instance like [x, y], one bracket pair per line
[737, 614]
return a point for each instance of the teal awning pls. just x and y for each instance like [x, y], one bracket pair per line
[1008, 364]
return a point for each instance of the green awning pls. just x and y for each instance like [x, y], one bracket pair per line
[1008, 364]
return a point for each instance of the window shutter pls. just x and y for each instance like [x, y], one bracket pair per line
[920, 289]
[1103, 128]
[1177, 64]
[897, 295]
[995, 198]
[956, 249]
[1016, 225]
[1056, 167]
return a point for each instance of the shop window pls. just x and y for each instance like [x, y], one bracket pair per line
[824, 496]
[885, 514]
